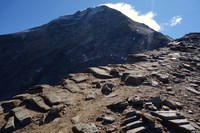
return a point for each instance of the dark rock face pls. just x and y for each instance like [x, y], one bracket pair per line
[93, 37]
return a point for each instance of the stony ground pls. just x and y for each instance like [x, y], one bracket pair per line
[157, 91]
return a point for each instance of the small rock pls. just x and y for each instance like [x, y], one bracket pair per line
[190, 111]
[98, 85]
[39, 102]
[125, 76]
[149, 118]
[193, 90]
[37, 89]
[163, 78]
[108, 120]
[85, 128]
[135, 79]
[170, 104]
[156, 101]
[114, 73]
[107, 89]
[79, 79]
[52, 99]
[169, 88]
[135, 101]
[1, 110]
[137, 58]
[10, 125]
[72, 88]
[194, 85]
[75, 119]
[165, 108]
[152, 107]
[118, 105]
[22, 97]
[99, 73]
[111, 95]
[154, 83]
[8, 105]
[53, 113]
[90, 97]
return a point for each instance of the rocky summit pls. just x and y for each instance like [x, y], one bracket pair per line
[155, 92]
[93, 37]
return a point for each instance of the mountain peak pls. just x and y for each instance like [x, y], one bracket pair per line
[92, 37]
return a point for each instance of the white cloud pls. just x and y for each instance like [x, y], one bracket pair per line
[175, 20]
[130, 12]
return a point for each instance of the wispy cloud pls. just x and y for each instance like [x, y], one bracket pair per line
[135, 15]
[175, 21]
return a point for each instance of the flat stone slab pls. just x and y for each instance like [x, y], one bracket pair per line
[179, 121]
[52, 99]
[175, 121]
[10, 125]
[99, 73]
[79, 79]
[39, 102]
[168, 115]
[193, 90]
[22, 97]
[135, 79]
[133, 125]
[137, 130]
[22, 115]
[72, 88]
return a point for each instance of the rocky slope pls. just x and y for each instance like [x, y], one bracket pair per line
[157, 91]
[93, 37]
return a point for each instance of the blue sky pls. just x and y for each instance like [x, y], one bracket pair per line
[174, 17]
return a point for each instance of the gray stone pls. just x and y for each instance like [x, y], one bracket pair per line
[10, 125]
[52, 99]
[193, 90]
[85, 128]
[108, 120]
[72, 88]
[39, 102]
[22, 115]
[99, 73]
[135, 79]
